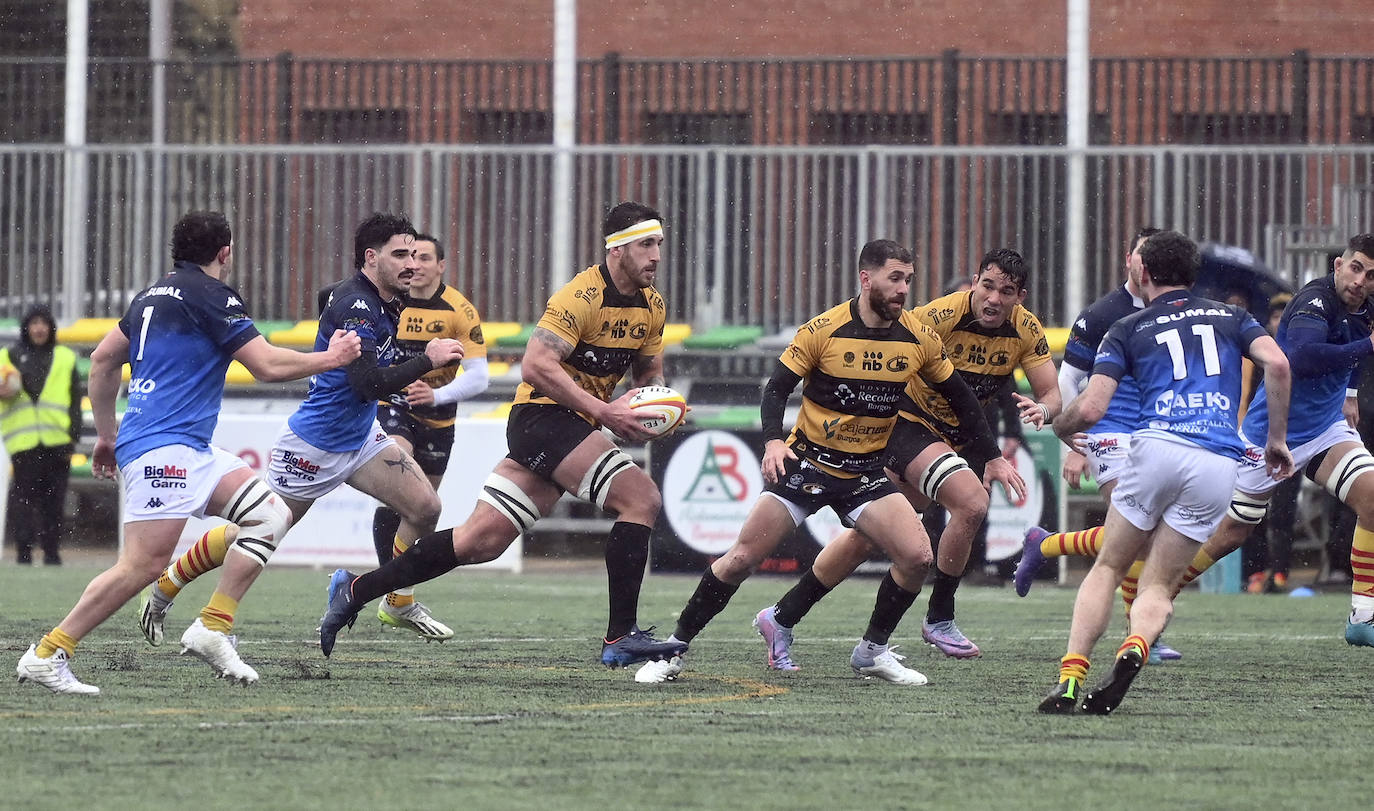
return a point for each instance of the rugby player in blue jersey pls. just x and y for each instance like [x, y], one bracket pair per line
[1325, 330]
[1184, 353]
[334, 437]
[178, 336]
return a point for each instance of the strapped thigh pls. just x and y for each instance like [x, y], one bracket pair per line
[1247, 509]
[938, 472]
[1354, 464]
[596, 482]
[262, 518]
[509, 500]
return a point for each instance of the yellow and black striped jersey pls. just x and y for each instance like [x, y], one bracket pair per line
[446, 314]
[606, 328]
[984, 357]
[854, 377]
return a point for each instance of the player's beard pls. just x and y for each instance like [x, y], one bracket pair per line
[884, 306]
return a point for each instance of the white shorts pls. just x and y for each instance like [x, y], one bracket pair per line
[301, 471]
[1254, 478]
[1107, 454]
[174, 481]
[1179, 483]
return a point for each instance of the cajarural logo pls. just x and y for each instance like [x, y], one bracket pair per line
[708, 487]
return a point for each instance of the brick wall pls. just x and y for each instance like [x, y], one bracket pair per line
[514, 29]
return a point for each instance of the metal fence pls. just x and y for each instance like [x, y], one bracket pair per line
[946, 100]
[756, 235]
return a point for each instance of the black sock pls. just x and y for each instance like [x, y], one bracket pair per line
[385, 523]
[888, 609]
[794, 605]
[706, 602]
[430, 557]
[627, 550]
[942, 588]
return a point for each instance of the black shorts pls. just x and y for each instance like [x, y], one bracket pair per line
[811, 488]
[431, 446]
[909, 439]
[540, 436]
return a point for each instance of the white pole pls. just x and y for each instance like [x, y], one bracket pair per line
[564, 137]
[74, 174]
[159, 51]
[1076, 114]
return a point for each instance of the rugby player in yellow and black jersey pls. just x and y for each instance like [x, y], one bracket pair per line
[420, 418]
[608, 320]
[855, 362]
[987, 333]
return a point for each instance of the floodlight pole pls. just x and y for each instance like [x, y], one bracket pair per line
[1076, 113]
[564, 137]
[74, 174]
[159, 51]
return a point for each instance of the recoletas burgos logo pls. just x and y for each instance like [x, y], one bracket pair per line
[165, 477]
[709, 486]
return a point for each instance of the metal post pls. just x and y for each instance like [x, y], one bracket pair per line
[74, 181]
[564, 137]
[159, 51]
[1076, 112]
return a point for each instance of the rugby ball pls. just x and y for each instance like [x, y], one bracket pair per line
[659, 409]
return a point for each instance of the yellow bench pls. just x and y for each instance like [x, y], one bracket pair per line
[301, 336]
[493, 330]
[86, 330]
[674, 334]
[1058, 338]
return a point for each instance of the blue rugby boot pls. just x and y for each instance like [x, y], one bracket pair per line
[342, 611]
[1031, 560]
[639, 646]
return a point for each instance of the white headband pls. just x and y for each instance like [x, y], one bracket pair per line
[636, 232]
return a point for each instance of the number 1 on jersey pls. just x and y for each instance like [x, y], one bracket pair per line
[1211, 361]
[143, 332]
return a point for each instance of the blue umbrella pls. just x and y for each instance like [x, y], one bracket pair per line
[1228, 271]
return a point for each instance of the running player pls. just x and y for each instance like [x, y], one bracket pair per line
[178, 336]
[854, 361]
[607, 320]
[1325, 331]
[988, 333]
[420, 418]
[333, 436]
[1184, 353]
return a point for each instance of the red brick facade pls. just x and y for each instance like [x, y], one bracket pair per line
[522, 29]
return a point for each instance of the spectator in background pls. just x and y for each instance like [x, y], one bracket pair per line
[40, 418]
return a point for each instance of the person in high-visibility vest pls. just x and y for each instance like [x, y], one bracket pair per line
[40, 422]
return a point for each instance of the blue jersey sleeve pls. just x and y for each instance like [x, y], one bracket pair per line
[1112, 354]
[225, 319]
[1081, 347]
[351, 311]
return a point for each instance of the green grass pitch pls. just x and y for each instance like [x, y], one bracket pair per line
[1269, 708]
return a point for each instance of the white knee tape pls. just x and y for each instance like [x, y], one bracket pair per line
[262, 518]
[596, 484]
[1354, 464]
[1246, 508]
[938, 472]
[509, 500]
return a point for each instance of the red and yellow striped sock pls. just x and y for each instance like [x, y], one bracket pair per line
[1084, 543]
[1201, 563]
[1137, 642]
[1073, 666]
[54, 639]
[1130, 585]
[204, 555]
[1362, 562]
[400, 597]
[218, 614]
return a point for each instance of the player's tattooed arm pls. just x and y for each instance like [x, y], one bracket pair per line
[647, 370]
[557, 345]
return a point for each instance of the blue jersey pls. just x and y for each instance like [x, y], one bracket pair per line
[1184, 352]
[183, 331]
[1123, 412]
[334, 417]
[1316, 401]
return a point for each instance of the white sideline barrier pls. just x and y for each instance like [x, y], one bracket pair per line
[338, 529]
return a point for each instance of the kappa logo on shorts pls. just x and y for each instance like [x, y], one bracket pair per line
[154, 503]
[282, 482]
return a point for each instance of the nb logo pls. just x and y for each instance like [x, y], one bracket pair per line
[153, 503]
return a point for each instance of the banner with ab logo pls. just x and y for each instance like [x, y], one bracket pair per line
[710, 480]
